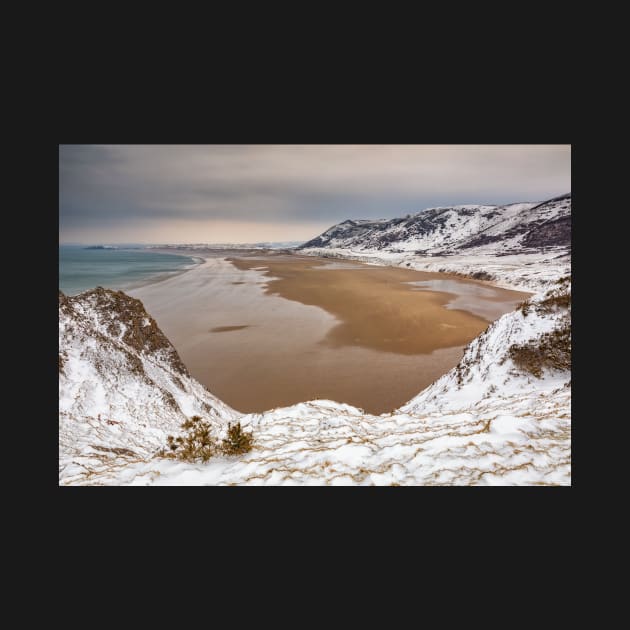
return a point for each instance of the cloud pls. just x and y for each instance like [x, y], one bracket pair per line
[118, 188]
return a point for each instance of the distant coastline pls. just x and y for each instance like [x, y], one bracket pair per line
[85, 267]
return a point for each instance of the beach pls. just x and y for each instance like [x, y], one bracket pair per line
[262, 331]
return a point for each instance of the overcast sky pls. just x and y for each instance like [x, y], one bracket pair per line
[248, 193]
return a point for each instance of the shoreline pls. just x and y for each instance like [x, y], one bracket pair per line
[163, 276]
[362, 258]
[150, 279]
[259, 349]
[505, 271]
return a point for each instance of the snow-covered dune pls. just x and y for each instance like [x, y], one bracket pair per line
[485, 422]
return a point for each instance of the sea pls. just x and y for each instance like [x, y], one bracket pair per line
[83, 267]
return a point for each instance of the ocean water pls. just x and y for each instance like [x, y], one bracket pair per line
[81, 269]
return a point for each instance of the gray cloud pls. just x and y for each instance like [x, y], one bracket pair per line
[130, 190]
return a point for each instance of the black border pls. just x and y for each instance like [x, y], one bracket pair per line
[451, 113]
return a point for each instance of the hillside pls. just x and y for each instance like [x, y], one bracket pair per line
[122, 385]
[519, 228]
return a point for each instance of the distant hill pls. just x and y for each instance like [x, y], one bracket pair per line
[475, 229]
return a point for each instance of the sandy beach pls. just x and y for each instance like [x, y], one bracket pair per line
[273, 330]
[377, 306]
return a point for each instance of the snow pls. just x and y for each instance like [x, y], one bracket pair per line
[105, 403]
[448, 434]
[533, 272]
[487, 424]
[470, 229]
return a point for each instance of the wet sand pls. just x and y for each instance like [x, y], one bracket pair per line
[271, 331]
[377, 306]
[227, 328]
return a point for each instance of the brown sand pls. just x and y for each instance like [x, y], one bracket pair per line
[377, 310]
[352, 333]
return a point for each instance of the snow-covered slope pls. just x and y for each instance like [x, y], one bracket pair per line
[122, 385]
[487, 421]
[470, 229]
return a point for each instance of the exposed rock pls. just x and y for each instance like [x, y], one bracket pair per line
[125, 317]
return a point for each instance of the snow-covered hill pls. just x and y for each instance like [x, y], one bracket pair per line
[489, 421]
[122, 385]
[470, 229]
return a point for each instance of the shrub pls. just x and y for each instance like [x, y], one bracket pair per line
[481, 275]
[237, 441]
[196, 445]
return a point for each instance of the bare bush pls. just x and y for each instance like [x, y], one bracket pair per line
[198, 445]
[237, 441]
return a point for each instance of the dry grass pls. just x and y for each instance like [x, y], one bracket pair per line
[551, 350]
[557, 298]
[554, 301]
